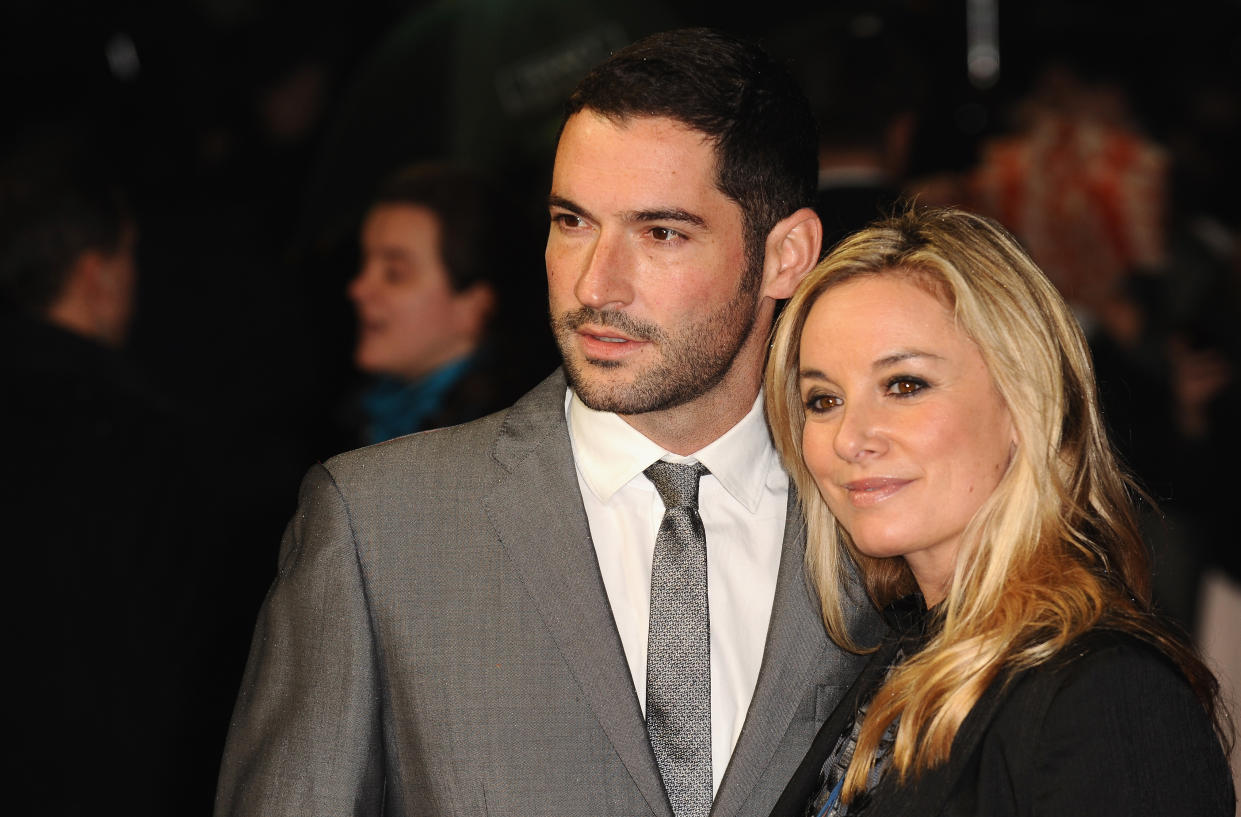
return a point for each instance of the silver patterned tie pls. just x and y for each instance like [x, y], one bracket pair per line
[678, 653]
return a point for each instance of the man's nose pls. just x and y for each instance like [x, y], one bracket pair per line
[604, 280]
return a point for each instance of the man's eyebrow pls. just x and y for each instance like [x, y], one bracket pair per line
[666, 214]
[674, 214]
[568, 204]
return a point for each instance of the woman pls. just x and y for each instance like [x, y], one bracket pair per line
[933, 398]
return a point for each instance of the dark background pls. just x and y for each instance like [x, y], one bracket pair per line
[251, 132]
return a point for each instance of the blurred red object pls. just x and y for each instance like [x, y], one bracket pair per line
[1083, 190]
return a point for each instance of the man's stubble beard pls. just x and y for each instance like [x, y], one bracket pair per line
[694, 358]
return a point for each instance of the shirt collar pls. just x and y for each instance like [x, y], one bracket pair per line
[609, 452]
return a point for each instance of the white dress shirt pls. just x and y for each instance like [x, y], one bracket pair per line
[743, 504]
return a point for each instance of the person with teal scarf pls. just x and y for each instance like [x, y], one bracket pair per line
[436, 264]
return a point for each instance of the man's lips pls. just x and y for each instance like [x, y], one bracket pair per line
[609, 337]
[607, 342]
[864, 493]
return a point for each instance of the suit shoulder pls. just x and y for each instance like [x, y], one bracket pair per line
[466, 454]
[435, 454]
[463, 440]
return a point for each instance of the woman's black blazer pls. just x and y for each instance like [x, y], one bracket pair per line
[1109, 728]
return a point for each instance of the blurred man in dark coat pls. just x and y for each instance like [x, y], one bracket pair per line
[93, 472]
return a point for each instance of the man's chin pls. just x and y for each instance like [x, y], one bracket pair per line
[603, 385]
[620, 393]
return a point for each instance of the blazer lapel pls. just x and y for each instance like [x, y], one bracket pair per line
[537, 512]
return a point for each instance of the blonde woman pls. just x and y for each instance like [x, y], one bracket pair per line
[933, 398]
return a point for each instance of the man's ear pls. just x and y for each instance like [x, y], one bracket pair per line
[793, 247]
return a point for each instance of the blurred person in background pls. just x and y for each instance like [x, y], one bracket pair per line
[1088, 190]
[97, 482]
[440, 304]
[1079, 182]
[865, 88]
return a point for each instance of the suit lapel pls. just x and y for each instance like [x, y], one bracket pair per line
[806, 780]
[537, 512]
[794, 653]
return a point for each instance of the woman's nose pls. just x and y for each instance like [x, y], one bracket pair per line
[859, 436]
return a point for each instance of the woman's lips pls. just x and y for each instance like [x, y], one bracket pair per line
[864, 493]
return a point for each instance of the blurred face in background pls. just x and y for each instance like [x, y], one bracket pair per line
[410, 319]
[99, 293]
[905, 434]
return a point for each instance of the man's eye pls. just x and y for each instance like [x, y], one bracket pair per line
[665, 234]
[567, 221]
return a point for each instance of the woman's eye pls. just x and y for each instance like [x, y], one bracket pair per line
[819, 403]
[903, 386]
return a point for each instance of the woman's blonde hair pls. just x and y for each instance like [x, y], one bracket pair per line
[1052, 552]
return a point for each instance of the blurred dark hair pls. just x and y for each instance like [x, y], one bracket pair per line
[56, 202]
[857, 86]
[478, 225]
[735, 94]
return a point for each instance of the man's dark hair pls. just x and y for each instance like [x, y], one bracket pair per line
[731, 91]
[53, 207]
[476, 229]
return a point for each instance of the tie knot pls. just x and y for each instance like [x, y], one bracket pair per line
[677, 482]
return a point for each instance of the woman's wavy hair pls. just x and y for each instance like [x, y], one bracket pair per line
[1054, 551]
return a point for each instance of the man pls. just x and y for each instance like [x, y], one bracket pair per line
[433, 297]
[460, 623]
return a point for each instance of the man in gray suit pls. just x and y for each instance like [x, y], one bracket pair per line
[460, 620]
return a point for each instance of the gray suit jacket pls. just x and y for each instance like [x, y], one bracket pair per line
[438, 641]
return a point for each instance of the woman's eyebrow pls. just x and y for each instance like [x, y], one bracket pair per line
[901, 356]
